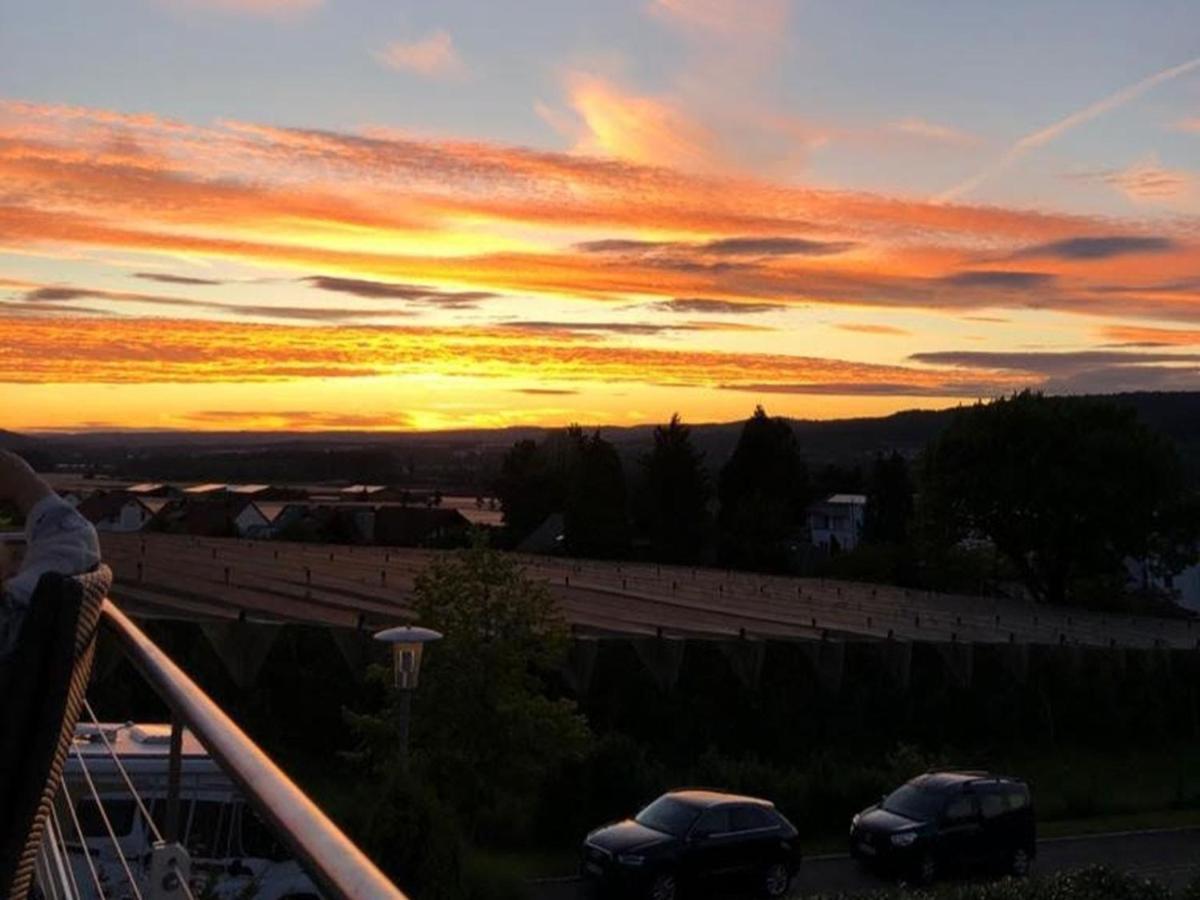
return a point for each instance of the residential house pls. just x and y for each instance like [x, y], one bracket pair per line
[548, 538]
[836, 523]
[153, 489]
[266, 492]
[346, 523]
[419, 526]
[206, 490]
[118, 511]
[218, 517]
[1183, 587]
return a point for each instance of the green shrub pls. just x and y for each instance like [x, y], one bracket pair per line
[1096, 883]
[488, 877]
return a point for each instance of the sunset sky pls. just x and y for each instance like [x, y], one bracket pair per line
[383, 214]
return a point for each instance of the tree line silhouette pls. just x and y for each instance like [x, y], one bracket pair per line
[1055, 494]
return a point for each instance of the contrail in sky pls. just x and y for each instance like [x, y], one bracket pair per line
[1062, 126]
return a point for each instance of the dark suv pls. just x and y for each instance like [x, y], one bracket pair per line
[948, 820]
[686, 838]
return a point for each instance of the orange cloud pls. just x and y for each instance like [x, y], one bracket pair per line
[138, 351]
[639, 128]
[1148, 181]
[1146, 336]
[433, 56]
[458, 215]
[297, 420]
[873, 329]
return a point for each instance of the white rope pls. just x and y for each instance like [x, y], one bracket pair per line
[124, 774]
[41, 871]
[158, 836]
[83, 845]
[107, 824]
[58, 836]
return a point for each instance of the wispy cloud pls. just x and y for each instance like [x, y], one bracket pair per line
[1105, 247]
[866, 328]
[976, 388]
[641, 128]
[270, 8]
[997, 278]
[724, 18]
[1146, 182]
[416, 293]
[381, 215]
[775, 246]
[570, 328]
[932, 132]
[751, 246]
[1084, 371]
[297, 420]
[718, 307]
[167, 278]
[1043, 136]
[1047, 362]
[52, 297]
[1141, 335]
[138, 351]
[433, 56]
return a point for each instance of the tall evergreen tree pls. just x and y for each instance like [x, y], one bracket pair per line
[677, 495]
[529, 487]
[763, 491]
[596, 515]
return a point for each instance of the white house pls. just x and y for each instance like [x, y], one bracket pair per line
[837, 522]
[119, 511]
[1184, 586]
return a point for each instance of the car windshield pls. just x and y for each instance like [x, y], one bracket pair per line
[668, 815]
[914, 802]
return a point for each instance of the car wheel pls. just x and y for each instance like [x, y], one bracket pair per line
[1019, 863]
[776, 879]
[663, 887]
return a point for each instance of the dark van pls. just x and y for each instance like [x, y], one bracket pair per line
[947, 821]
[685, 839]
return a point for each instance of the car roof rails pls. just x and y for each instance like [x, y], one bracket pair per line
[961, 770]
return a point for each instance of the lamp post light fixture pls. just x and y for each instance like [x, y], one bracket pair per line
[408, 644]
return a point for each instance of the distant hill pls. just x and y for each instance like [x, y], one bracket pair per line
[465, 459]
[10, 440]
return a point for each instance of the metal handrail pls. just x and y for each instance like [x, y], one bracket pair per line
[342, 870]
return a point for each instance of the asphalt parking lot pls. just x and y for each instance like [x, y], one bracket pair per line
[1170, 856]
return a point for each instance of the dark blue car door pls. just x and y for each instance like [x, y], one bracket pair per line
[712, 847]
[960, 830]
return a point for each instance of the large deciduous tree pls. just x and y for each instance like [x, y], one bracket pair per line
[1065, 488]
[487, 731]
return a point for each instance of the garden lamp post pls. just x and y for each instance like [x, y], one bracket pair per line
[407, 642]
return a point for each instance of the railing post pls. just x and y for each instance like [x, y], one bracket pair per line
[171, 831]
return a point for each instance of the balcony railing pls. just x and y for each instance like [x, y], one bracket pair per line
[336, 865]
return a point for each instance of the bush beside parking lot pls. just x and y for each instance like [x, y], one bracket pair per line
[1096, 883]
